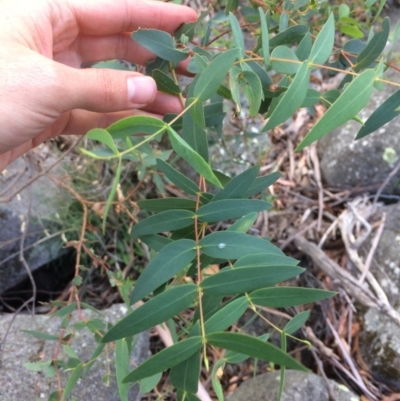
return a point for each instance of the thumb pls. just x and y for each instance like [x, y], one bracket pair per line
[103, 90]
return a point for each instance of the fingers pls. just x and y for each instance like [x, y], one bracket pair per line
[104, 17]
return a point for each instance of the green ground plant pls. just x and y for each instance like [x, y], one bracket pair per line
[293, 39]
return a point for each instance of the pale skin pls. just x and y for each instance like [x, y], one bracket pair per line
[43, 90]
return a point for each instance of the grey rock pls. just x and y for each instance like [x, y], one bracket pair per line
[17, 383]
[380, 341]
[346, 163]
[299, 386]
[32, 211]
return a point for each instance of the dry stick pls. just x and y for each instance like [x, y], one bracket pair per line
[350, 362]
[350, 283]
[317, 175]
[42, 173]
[374, 245]
[386, 182]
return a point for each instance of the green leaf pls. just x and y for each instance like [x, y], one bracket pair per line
[294, 324]
[292, 99]
[42, 336]
[112, 193]
[230, 209]
[262, 259]
[168, 262]
[252, 90]
[238, 186]
[148, 383]
[122, 361]
[158, 310]
[72, 381]
[386, 112]
[284, 60]
[37, 366]
[351, 101]
[197, 112]
[244, 223]
[66, 310]
[283, 21]
[393, 41]
[284, 297]
[312, 98]
[323, 44]
[193, 133]
[220, 364]
[227, 315]
[194, 159]
[164, 204]
[214, 114]
[236, 281]
[344, 10]
[374, 47]
[264, 37]
[261, 183]
[231, 5]
[211, 78]
[136, 125]
[177, 178]
[350, 30]
[237, 34]
[329, 97]
[160, 43]
[103, 136]
[254, 347]
[235, 87]
[156, 242]
[232, 245]
[183, 395]
[165, 359]
[165, 83]
[185, 376]
[304, 48]
[290, 35]
[93, 358]
[169, 220]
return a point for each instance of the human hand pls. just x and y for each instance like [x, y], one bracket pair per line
[43, 91]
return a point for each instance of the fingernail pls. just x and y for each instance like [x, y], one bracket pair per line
[141, 90]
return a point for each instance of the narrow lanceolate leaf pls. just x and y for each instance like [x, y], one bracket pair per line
[304, 48]
[374, 47]
[103, 136]
[112, 193]
[284, 60]
[298, 321]
[168, 262]
[177, 178]
[237, 34]
[185, 375]
[163, 204]
[122, 362]
[165, 83]
[226, 316]
[254, 347]
[182, 395]
[252, 90]
[169, 220]
[158, 310]
[244, 224]
[230, 209]
[233, 281]
[323, 44]
[231, 245]
[215, 379]
[197, 112]
[261, 183]
[214, 114]
[353, 99]
[72, 381]
[192, 157]
[264, 37]
[262, 259]
[160, 43]
[156, 242]
[292, 99]
[289, 36]
[284, 297]
[136, 125]
[211, 78]
[165, 359]
[386, 112]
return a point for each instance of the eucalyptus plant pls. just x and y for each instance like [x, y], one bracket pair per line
[274, 77]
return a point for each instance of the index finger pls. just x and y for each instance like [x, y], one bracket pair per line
[105, 17]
